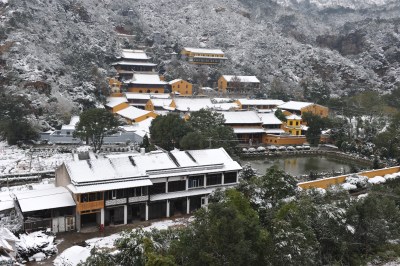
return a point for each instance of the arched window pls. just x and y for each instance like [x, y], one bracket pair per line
[140, 91]
[156, 91]
[148, 91]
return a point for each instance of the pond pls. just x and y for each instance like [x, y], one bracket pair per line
[303, 165]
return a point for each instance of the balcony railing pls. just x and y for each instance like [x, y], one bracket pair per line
[115, 202]
[138, 199]
[88, 206]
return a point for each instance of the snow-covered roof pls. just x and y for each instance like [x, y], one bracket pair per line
[132, 112]
[115, 101]
[192, 104]
[6, 201]
[153, 79]
[134, 54]
[146, 96]
[274, 131]
[245, 79]
[182, 194]
[241, 117]
[242, 130]
[294, 105]
[222, 100]
[174, 81]
[225, 106]
[269, 119]
[130, 63]
[164, 103]
[293, 117]
[139, 126]
[204, 50]
[268, 102]
[136, 167]
[50, 198]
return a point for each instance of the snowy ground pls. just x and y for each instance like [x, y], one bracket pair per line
[16, 160]
[75, 254]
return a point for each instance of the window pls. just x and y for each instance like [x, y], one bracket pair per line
[186, 86]
[156, 91]
[140, 91]
[214, 179]
[290, 123]
[178, 87]
[148, 91]
[113, 194]
[176, 186]
[157, 188]
[196, 181]
[230, 177]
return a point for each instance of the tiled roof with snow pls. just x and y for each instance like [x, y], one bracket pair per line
[134, 54]
[294, 105]
[132, 112]
[241, 117]
[74, 120]
[130, 63]
[164, 103]
[43, 199]
[114, 170]
[115, 101]
[225, 106]
[244, 79]
[268, 102]
[146, 96]
[269, 119]
[204, 50]
[139, 126]
[293, 117]
[175, 81]
[153, 79]
[192, 104]
[248, 130]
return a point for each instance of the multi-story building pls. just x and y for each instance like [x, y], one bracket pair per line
[238, 84]
[131, 61]
[180, 87]
[203, 55]
[122, 189]
[145, 83]
[299, 108]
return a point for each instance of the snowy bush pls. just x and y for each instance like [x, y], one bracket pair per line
[37, 245]
[359, 181]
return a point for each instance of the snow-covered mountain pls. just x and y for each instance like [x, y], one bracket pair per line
[322, 4]
[58, 53]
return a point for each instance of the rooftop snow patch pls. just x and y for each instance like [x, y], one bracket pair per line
[241, 117]
[293, 117]
[294, 105]
[132, 112]
[269, 119]
[243, 79]
[193, 104]
[268, 102]
[115, 101]
[51, 198]
[134, 54]
[204, 50]
[153, 79]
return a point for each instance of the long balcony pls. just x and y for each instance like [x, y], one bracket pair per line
[91, 206]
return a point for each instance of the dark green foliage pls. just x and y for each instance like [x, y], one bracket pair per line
[94, 125]
[167, 131]
[14, 126]
[315, 125]
[279, 114]
[228, 233]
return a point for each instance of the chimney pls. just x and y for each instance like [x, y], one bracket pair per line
[142, 151]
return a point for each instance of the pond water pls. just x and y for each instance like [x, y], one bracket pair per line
[303, 165]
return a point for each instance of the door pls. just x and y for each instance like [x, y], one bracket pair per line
[69, 223]
[61, 224]
[55, 225]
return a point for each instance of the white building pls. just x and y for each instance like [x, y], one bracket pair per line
[122, 189]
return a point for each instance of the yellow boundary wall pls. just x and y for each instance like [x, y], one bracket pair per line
[327, 182]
